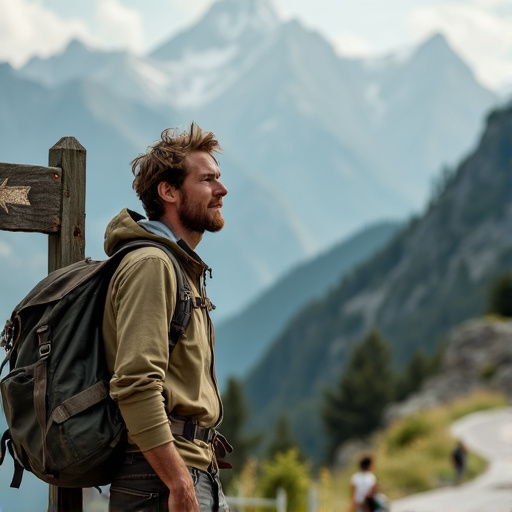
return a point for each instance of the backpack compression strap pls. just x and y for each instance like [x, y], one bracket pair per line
[6, 445]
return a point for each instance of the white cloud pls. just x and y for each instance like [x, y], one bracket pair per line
[120, 25]
[351, 45]
[195, 8]
[480, 31]
[28, 28]
[494, 4]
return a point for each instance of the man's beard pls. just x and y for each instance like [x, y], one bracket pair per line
[194, 218]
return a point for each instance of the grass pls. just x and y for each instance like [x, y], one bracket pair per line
[412, 455]
[478, 401]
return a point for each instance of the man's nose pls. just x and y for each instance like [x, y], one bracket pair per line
[221, 189]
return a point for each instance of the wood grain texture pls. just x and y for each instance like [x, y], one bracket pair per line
[68, 245]
[42, 213]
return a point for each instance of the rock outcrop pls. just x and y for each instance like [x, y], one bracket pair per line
[478, 355]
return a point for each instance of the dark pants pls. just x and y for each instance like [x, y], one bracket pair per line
[138, 489]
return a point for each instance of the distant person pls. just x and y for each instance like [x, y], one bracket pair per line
[363, 485]
[459, 457]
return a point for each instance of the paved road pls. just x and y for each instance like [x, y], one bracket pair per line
[488, 433]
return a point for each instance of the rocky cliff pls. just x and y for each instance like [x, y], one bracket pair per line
[478, 355]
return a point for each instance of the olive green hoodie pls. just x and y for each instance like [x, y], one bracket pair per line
[147, 383]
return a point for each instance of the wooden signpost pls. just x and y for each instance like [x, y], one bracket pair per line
[41, 211]
[50, 200]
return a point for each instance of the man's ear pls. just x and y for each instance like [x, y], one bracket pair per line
[167, 192]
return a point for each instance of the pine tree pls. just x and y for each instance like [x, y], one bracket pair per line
[235, 415]
[365, 387]
[417, 370]
[282, 440]
[500, 296]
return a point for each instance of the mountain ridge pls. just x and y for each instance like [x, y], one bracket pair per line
[242, 339]
[431, 276]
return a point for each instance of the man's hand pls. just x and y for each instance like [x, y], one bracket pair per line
[169, 466]
[182, 497]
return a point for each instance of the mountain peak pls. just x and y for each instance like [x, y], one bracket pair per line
[74, 50]
[437, 47]
[233, 17]
[437, 39]
[245, 22]
[6, 68]
[76, 46]
[436, 53]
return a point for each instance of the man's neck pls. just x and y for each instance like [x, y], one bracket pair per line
[192, 238]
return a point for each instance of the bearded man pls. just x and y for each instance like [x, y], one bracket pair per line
[170, 402]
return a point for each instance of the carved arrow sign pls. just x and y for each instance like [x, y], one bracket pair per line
[30, 198]
[13, 195]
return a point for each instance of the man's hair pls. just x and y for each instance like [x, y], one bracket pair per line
[165, 161]
[365, 463]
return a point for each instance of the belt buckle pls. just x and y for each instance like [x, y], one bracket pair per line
[212, 436]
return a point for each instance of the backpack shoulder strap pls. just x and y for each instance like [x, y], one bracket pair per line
[183, 309]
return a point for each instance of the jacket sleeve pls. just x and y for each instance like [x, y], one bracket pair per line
[143, 299]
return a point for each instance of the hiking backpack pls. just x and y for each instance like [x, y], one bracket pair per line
[63, 425]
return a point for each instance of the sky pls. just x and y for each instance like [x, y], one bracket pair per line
[479, 30]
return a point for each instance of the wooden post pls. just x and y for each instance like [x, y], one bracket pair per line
[65, 247]
[68, 244]
[50, 200]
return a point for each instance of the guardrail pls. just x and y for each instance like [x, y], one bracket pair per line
[240, 503]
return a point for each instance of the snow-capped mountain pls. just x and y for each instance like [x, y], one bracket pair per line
[316, 146]
[190, 70]
[420, 109]
[127, 75]
[209, 57]
[235, 25]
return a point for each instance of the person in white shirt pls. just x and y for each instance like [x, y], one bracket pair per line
[363, 485]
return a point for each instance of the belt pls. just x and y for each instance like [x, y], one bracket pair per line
[191, 430]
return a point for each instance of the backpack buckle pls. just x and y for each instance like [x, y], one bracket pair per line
[45, 344]
[45, 350]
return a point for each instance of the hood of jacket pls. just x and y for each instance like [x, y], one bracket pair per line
[124, 228]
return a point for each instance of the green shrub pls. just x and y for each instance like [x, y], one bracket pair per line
[409, 431]
[488, 372]
[475, 466]
[500, 293]
[410, 470]
[288, 472]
